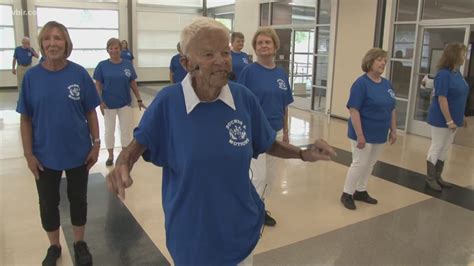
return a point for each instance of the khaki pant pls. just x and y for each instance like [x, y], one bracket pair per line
[20, 73]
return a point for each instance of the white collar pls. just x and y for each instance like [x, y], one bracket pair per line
[191, 100]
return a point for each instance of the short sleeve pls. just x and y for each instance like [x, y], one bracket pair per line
[441, 83]
[98, 74]
[134, 73]
[172, 64]
[263, 135]
[289, 95]
[15, 55]
[151, 133]
[357, 95]
[91, 97]
[23, 105]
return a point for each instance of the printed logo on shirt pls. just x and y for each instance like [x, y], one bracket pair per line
[29, 54]
[237, 133]
[74, 92]
[282, 84]
[128, 54]
[245, 60]
[127, 72]
[392, 94]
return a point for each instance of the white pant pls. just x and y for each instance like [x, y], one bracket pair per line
[263, 171]
[363, 161]
[441, 139]
[125, 116]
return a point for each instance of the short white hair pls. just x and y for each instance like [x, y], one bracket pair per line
[197, 25]
[25, 39]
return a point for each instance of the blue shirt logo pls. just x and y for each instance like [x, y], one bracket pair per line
[244, 59]
[74, 92]
[392, 93]
[237, 133]
[127, 72]
[282, 84]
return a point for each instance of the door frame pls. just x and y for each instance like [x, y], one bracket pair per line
[415, 126]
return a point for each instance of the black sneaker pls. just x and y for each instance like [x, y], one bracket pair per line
[364, 196]
[82, 254]
[54, 252]
[269, 221]
[348, 201]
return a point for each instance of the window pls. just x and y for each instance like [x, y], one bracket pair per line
[89, 30]
[157, 36]
[441, 9]
[7, 37]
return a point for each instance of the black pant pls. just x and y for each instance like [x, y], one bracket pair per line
[48, 192]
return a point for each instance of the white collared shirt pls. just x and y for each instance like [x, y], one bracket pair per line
[191, 100]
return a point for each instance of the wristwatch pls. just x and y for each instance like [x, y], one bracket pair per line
[96, 141]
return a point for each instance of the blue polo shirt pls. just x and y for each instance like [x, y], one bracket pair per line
[239, 61]
[57, 102]
[272, 88]
[213, 214]
[178, 71]
[375, 103]
[126, 54]
[453, 86]
[115, 79]
[23, 56]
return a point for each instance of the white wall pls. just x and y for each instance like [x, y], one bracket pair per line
[247, 21]
[355, 36]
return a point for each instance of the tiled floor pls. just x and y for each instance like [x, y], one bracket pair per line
[407, 227]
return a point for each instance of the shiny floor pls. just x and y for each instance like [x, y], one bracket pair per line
[409, 226]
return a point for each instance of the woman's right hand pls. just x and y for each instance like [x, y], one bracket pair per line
[34, 165]
[452, 126]
[102, 107]
[361, 142]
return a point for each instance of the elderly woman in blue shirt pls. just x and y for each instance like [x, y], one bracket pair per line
[204, 132]
[446, 112]
[60, 132]
[372, 118]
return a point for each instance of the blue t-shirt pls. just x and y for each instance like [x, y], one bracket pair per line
[115, 79]
[239, 61]
[272, 88]
[213, 214]
[126, 54]
[178, 71]
[23, 56]
[375, 103]
[57, 102]
[452, 85]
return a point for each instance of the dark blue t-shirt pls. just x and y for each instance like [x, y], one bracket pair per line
[178, 71]
[213, 214]
[272, 88]
[57, 102]
[23, 56]
[115, 79]
[126, 54]
[375, 103]
[452, 85]
[239, 61]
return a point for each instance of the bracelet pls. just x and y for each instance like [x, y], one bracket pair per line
[139, 101]
[450, 122]
[301, 155]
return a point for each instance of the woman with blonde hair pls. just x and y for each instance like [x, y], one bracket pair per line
[60, 132]
[446, 112]
[271, 86]
[372, 117]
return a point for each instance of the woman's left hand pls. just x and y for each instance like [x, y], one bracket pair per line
[141, 105]
[92, 157]
[393, 137]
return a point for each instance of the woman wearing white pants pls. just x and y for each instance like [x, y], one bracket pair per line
[446, 112]
[372, 114]
[113, 79]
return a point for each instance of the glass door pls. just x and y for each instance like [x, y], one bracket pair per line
[431, 43]
[302, 67]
